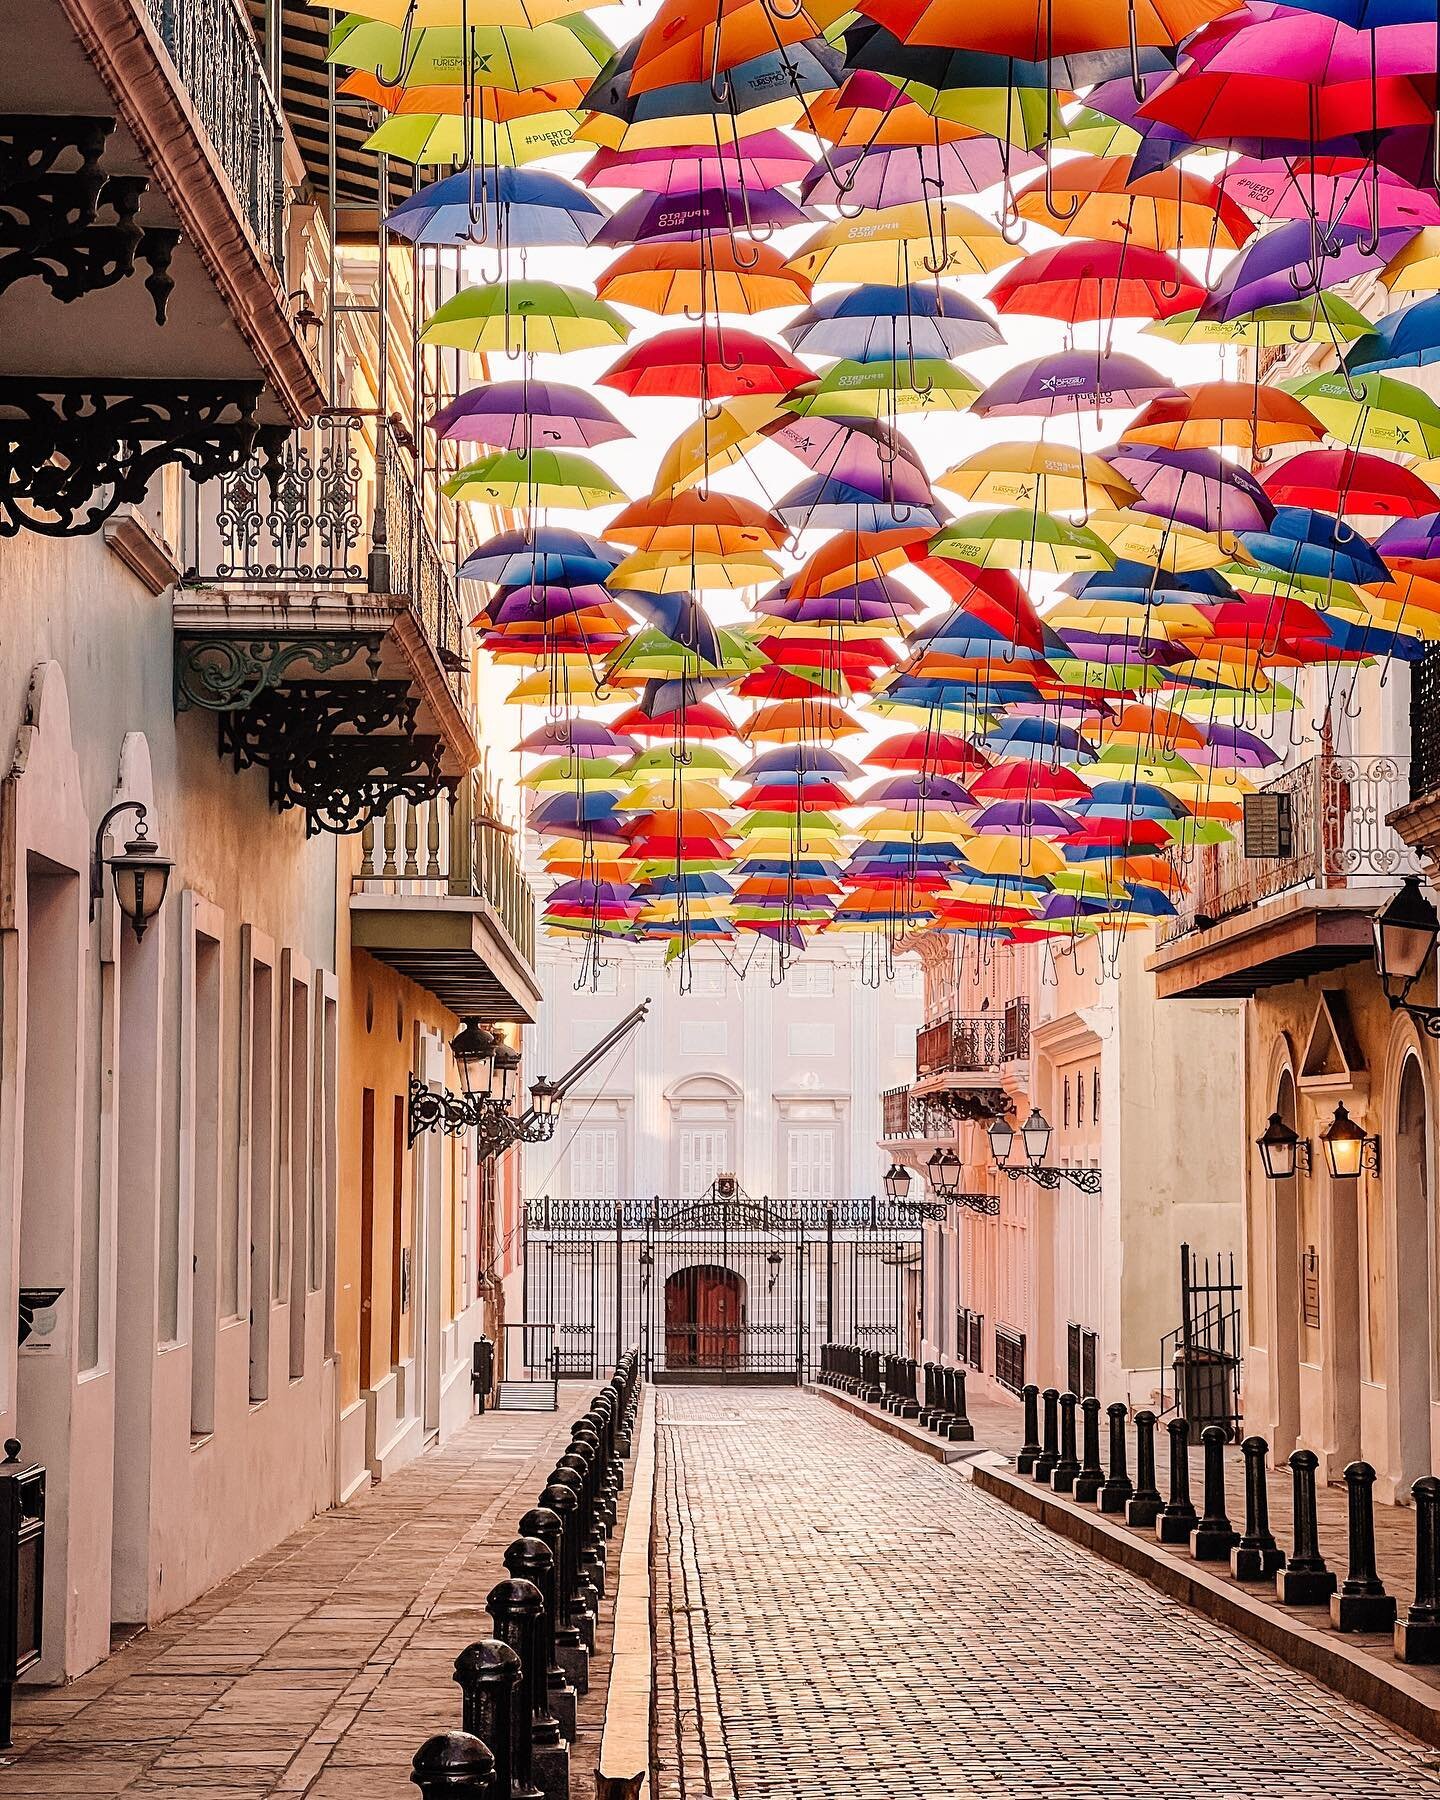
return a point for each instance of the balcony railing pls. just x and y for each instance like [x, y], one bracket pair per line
[895, 1112]
[1015, 1033]
[1335, 808]
[960, 1043]
[219, 63]
[450, 845]
[321, 513]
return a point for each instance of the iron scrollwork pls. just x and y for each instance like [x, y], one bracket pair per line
[496, 1128]
[227, 674]
[73, 452]
[1087, 1180]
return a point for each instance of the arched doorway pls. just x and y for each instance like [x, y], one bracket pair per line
[1286, 1309]
[1412, 1347]
[704, 1318]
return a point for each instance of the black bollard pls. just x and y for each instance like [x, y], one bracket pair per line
[907, 1407]
[1306, 1580]
[1362, 1603]
[959, 1430]
[570, 1651]
[540, 1757]
[489, 1676]
[454, 1766]
[1417, 1636]
[931, 1408]
[531, 1559]
[1050, 1448]
[1117, 1486]
[1067, 1466]
[1143, 1507]
[1177, 1516]
[1257, 1556]
[1030, 1449]
[1214, 1537]
[944, 1414]
[1091, 1478]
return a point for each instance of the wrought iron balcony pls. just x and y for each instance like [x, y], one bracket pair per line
[319, 622]
[1332, 835]
[1322, 857]
[960, 1043]
[440, 894]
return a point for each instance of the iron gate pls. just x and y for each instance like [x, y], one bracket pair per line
[725, 1287]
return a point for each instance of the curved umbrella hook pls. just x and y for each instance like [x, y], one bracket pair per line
[406, 33]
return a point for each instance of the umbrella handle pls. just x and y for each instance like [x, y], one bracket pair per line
[1054, 211]
[406, 31]
[1137, 80]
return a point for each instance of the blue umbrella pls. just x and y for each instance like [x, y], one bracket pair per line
[514, 207]
[825, 504]
[682, 619]
[1306, 543]
[814, 759]
[1021, 733]
[550, 557]
[1408, 339]
[874, 320]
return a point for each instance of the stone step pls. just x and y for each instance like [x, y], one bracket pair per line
[527, 1396]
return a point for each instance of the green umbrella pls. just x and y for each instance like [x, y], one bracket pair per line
[518, 316]
[870, 390]
[1295, 322]
[512, 57]
[1372, 412]
[1012, 537]
[536, 478]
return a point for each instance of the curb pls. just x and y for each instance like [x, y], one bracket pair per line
[1329, 1657]
[937, 1449]
[625, 1735]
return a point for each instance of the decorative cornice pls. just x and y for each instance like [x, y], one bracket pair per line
[130, 536]
[122, 43]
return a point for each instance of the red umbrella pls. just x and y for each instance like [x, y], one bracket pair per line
[1028, 781]
[994, 596]
[1097, 281]
[1352, 481]
[699, 720]
[706, 362]
[933, 752]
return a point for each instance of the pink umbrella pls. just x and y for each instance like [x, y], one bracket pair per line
[1342, 190]
[762, 161]
[898, 175]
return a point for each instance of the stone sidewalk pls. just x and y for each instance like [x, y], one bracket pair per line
[842, 1617]
[320, 1668]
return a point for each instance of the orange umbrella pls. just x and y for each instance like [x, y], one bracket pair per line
[689, 43]
[494, 105]
[1225, 415]
[706, 274]
[1164, 210]
[853, 557]
[848, 123]
[1097, 281]
[797, 721]
[697, 522]
[1033, 30]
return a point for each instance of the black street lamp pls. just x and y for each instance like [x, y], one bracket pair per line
[1282, 1151]
[1349, 1152]
[1406, 930]
[1035, 1135]
[897, 1182]
[1002, 1139]
[140, 873]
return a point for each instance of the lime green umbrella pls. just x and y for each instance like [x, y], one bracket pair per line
[1022, 114]
[1294, 322]
[536, 478]
[871, 390]
[1118, 677]
[517, 316]
[501, 56]
[655, 656]
[665, 758]
[1096, 135]
[440, 138]
[1211, 700]
[1372, 412]
[1012, 537]
[1155, 766]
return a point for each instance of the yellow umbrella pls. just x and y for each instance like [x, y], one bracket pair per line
[1051, 476]
[576, 681]
[1163, 543]
[996, 855]
[717, 443]
[611, 133]
[677, 571]
[440, 138]
[1416, 268]
[904, 244]
[922, 828]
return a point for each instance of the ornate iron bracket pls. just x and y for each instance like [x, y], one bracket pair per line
[1087, 1180]
[63, 443]
[972, 1103]
[432, 1109]
[228, 674]
[1427, 1018]
[50, 223]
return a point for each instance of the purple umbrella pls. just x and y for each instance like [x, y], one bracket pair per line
[521, 415]
[687, 215]
[574, 734]
[525, 605]
[1228, 747]
[1297, 259]
[912, 793]
[1005, 818]
[595, 893]
[837, 609]
[1193, 487]
[1055, 384]
[1411, 540]
[900, 174]
[761, 161]
[1118, 100]
[866, 453]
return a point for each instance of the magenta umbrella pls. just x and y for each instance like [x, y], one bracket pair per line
[1053, 384]
[1192, 487]
[1342, 190]
[899, 175]
[867, 453]
[675, 214]
[761, 161]
[519, 415]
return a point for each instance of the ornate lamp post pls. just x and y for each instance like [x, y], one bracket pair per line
[1035, 1135]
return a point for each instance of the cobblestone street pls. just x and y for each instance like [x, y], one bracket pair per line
[839, 1616]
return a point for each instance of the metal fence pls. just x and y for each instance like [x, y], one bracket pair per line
[220, 65]
[1425, 724]
[1332, 812]
[722, 1289]
[959, 1043]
